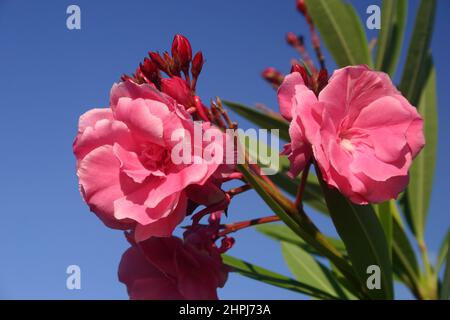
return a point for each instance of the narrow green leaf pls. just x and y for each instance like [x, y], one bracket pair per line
[260, 118]
[418, 194]
[404, 259]
[257, 184]
[282, 233]
[260, 274]
[308, 270]
[413, 74]
[348, 289]
[290, 217]
[444, 292]
[384, 211]
[443, 252]
[300, 224]
[341, 30]
[364, 239]
[390, 40]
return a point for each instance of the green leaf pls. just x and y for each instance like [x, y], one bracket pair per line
[444, 292]
[257, 183]
[404, 259]
[384, 211]
[299, 223]
[390, 40]
[262, 154]
[258, 273]
[364, 238]
[415, 66]
[289, 215]
[308, 270]
[282, 233]
[341, 30]
[443, 252]
[417, 197]
[260, 118]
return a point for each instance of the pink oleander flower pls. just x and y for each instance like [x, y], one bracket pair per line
[173, 269]
[363, 133]
[124, 164]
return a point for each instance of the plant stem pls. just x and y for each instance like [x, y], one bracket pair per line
[233, 227]
[301, 189]
[239, 190]
[429, 279]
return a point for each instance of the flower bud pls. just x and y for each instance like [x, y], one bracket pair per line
[301, 7]
[273, 76]
[177, 89]
[225, 244]
[292, 39]
[150, 71]
[125, 77]
[158, 61]
[197, 64]
[181, 51]
[300, 69]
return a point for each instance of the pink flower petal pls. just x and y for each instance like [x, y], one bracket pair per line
[292, 85]
[102, 183]
[130, 164]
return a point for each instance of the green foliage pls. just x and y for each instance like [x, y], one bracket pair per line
[417, 197]
[341, 30]
[260, 274]
[307, 269]
[364, 239]
[390, 40]
[260, 118]
[417, 64]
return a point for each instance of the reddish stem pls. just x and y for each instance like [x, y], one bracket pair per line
[233, 227]
[238, 190]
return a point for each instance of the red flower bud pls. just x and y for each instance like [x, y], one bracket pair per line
[197, 64]
[225, 244]
[301, 7]
[201, 108]
[125, 77]
[273, 76]
[181, 51]
[292, 39]
[158, 61]
[300, 69]
[178, 89]
[150, 71]
[138, 77]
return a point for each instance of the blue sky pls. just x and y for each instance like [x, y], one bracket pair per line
[50, 76]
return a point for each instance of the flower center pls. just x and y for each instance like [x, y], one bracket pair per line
[347, 145]
[154, 157]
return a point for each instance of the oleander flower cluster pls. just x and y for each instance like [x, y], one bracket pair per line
[361, 131]
[355, 128]
[128, 177]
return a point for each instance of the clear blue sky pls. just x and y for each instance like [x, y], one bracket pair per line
[50, 75]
